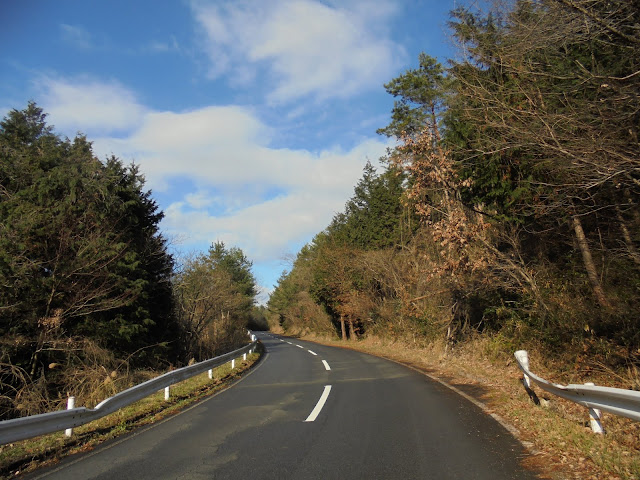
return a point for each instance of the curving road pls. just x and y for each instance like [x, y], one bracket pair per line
[314, 412]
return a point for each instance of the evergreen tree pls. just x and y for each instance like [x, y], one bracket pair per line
[237, 265]
[80, 250]
[376, 215]
[421, 94]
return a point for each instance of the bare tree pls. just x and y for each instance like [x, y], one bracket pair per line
[553, 88]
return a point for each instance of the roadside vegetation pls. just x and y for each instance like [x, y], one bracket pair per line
[509, 207]
[47, 450]
[91, 301]
[507, 216]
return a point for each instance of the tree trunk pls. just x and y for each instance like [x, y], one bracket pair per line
[588, 262]
[344, 330]
[633, 253]
[352, 333]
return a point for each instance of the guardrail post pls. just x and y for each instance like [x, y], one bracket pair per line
[595, 416]
[233, 364]
[166, 394]
[71, 403]
[210, 374]
[17, 429]
[244, 357]
[523, 357]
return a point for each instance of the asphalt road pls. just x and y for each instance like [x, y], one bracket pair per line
[378, 420]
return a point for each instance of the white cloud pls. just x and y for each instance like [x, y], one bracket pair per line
[308, 48]
[89, 105]
[246, 192]
[263, 294]
[229, 147]
[76, 35]
[266, 229]
[225, 152]
[199, 199]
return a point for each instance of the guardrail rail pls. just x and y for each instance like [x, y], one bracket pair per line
[618, 401]
[32, 426]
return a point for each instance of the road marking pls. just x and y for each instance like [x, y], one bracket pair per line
[318, 408]
[299, 346]
[326, 365]
[290, 343]
[312, 353]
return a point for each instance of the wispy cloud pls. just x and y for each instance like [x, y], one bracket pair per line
[304, 47]
[162, 46]
[76, 35]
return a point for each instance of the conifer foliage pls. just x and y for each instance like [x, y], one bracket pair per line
[86, 280]
[80, 250]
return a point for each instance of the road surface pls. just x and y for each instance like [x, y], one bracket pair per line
[314, 412]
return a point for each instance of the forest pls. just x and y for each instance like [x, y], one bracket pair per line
[509, 207]
[507, 210]
[91, 300]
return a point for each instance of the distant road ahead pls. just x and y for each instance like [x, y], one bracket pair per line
[314, 412]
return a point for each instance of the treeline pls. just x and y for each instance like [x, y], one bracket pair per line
[88, 289]
[509, 207]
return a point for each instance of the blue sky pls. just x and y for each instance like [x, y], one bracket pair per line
[251, 120]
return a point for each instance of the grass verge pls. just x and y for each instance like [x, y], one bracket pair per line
[28, 455]
[558, 435]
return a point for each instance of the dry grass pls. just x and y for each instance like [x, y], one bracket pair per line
[559, 436]
[28, 455]
[90, 373]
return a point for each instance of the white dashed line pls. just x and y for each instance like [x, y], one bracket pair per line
[326, 365]
[312, 353]
[299, 346]
[318, 408]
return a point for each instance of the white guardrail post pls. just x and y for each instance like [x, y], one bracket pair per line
[524, 361]
[526, 380]
[618, 401]
[27, 427]
[595, 416]
[71, 403]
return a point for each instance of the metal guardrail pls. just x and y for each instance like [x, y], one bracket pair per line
[625, 403]
[34, 425]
